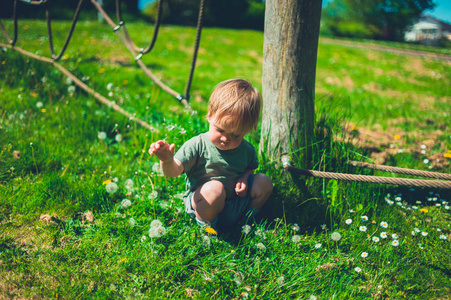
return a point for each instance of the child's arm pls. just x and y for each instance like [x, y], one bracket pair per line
[241, 185]
[170, 166]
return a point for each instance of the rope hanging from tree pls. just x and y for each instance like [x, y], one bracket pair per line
[125, 37]
[367, 178]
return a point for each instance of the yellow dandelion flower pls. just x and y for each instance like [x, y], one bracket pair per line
[397, 136]
[123, 260]
[424, 210]
[66, 56]
[210, 230]
[125, 82]
[3, 62]
[447, 155]
[353, 128]
[34, 94]
[43, 110]
[102, 70]
[26, 27]
[373, 222]
[106, 182]
[86, 42]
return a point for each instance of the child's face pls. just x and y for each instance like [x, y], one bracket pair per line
[222, 137]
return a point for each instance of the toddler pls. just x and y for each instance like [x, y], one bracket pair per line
[219, 164]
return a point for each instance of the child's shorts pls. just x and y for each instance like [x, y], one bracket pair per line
[234, 209]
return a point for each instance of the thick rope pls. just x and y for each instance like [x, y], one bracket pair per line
[69, 36]
[83, 86]
[401, 170]
[196, 50]
[371, 179]
[126, 34]
[146, 70]
[11, 41]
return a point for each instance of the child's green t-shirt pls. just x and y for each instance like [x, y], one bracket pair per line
[203, 162]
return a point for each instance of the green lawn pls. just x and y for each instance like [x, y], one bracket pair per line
[64, 234]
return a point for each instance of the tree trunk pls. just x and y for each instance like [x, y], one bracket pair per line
[289, 69]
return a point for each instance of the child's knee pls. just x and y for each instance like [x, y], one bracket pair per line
[263, 183]
[211, 191]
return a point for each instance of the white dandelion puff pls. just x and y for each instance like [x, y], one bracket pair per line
[109, 86]
[335, 236]
[246, 229]
[101, 135]
[153, 195]
[129, 184]
[296, 238]
[260, 246]
[295, 227]
[118, 137]
[206, 240]
[131, 223]
[156, 224]
[111, 188]
[280, 280]
[126, 203]
[39, 104]
[156, 232]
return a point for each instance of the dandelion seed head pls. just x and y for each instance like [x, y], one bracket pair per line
[295, 227]
[335, 236]
[126, 203]
[156, 224]
[131, 223]
[296, 238]
[118, 137]
[101, 135]
[206, 240]
[129, 184]
[71, 89]
[260, 246]
[280, 280]
[111, 187]
[39, 104]
[153, 195]
[246, 229]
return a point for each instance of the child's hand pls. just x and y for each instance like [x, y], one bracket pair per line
[241, 187]
[162, 150]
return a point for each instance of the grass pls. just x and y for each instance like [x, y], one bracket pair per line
[62, 235]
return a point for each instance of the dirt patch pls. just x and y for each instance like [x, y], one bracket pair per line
[383, 144]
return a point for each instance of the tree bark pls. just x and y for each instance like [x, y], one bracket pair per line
[289, 70]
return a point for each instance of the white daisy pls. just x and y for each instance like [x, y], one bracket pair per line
[394, 236]
[383, 235]
[358, 269]
[364, 254]
[362, 228]
[384, 224]
[443, 237]
[395, 243]
[375, 239]
[424, 233]
[318, 245]
[348, 221]
[364, 218]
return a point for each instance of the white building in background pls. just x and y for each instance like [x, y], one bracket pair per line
[428, 30]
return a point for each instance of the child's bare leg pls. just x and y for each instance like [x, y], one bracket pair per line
[209, 200]
[261, 190]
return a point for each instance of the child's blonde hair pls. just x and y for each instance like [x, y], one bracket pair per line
[236, 104]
